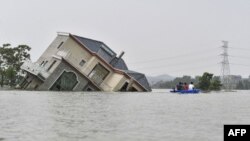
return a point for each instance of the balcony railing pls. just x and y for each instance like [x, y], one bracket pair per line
[35, 69]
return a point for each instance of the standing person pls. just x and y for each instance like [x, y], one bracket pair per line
[185, 86]
[191, 86]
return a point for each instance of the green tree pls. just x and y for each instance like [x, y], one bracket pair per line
[11, 76]
[207, 82]
[2, 75]
[204, 81]
[11, 59]
[215, 84]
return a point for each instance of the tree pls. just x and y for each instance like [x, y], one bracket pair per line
[215, 84]
[2, 74]
[204, 81]
[20, 55]
[11, 59]
[207, 82]
[11, 76]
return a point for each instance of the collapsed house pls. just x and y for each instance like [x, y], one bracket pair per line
[74, 63]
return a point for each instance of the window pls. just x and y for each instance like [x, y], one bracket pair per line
[82, 63]
[52, 65]
[124, 87]
[108, 50]
[60, 45]
[66, 82]
[45, 63]
[98, 74]
[42, 63]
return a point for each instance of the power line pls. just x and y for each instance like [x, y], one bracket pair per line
[241, 57]
[181, 60]
[188, 69]
[195, 68]
[242, 49]
[240, 64]
[173, 57]
[185, 62]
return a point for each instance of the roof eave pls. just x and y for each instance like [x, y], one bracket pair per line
[103, 61]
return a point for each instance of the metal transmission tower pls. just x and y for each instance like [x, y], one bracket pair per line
[225, 69]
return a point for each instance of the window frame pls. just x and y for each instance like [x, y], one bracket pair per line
[60, 45]
[82, 61]
[94, 69]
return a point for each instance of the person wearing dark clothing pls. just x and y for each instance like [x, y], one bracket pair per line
[179, 86]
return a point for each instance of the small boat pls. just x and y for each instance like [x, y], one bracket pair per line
[194, 91]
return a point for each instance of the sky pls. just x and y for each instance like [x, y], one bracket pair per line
[175, 37]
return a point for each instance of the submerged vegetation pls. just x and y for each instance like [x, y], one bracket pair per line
[208, 82]
[11, 59]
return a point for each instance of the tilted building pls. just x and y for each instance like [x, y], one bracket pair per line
[74, 63]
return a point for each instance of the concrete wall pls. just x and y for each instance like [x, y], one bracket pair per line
[137, 87]
[111, 82]
[76, 53]
[52, 50]
[82, 81]
[32, 82]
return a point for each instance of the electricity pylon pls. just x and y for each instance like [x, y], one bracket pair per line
[225, 69]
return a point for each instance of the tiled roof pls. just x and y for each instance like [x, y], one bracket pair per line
[119, 64]
[103, 51]
[140, 77]
[109, 56]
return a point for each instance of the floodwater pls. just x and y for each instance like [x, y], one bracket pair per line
[96, 116]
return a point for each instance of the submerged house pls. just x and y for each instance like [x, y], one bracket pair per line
[74, 63]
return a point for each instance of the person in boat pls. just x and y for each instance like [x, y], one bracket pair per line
[191, 86]
[179, 86]
[185, 86]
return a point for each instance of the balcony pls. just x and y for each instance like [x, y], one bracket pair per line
[35, 69]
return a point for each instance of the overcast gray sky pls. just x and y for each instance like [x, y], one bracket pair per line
[174, 37]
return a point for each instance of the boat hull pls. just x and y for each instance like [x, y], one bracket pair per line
[194, 91]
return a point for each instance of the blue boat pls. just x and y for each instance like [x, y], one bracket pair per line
[194, 91]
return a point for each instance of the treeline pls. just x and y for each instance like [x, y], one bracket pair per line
[11, 59]
[206, 82]
[173, 83]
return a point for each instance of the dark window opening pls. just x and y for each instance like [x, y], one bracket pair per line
[53, 63]
[124, 87]
[66, 82]
[45, 63]
[42, 63]
[133, 89]
[89, 89]
[98, 74]
[82, 63]
[60, 45]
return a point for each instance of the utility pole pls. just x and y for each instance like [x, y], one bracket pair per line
[225, 69]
